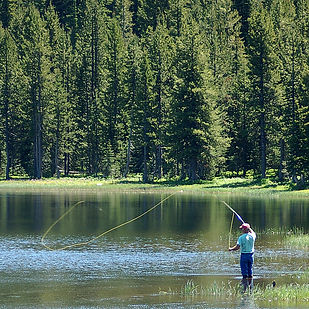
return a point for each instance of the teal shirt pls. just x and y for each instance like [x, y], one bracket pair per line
[246, 242]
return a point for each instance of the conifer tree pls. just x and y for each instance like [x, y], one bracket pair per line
[121, 11]
[261, 45]
[301, 158]
[298, 163]
[7, 8]
[221, 24]
[160, 54]
[115, 114]
[60, 115]
[243, 8]
[283, 16]
[194, 131]
[148, 14]
[30, 34]
[143, 114]
[12, 98]
[174, 16]
[131, 82]
[90, 55]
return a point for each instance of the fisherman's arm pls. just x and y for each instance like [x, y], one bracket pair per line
[252, 233]
[235, 248]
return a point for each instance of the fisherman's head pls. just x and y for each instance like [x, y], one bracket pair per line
[245, 227]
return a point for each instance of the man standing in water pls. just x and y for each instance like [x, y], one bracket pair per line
[245, 243]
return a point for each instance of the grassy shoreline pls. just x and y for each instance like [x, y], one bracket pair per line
[239, 185]
[296, 294]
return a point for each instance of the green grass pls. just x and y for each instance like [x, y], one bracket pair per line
[190, 288]
[239, 185]
[298, 241]
[286, 294]
[215, 290]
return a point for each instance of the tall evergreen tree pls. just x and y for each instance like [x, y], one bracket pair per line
[115, 113]
[58, 142]
[194, 131]
[30, 33]
[131, 82]
[90, 55]
[148, 14]
[12, 98]
[261, 45]
[220, 24]
[298, 163]
[160, 54]
[121, 10]
[143, 114]
[174, 17]
[243, 8]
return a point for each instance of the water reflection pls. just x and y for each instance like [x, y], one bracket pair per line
[185, 238]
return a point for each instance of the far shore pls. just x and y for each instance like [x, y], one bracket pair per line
[232, 185]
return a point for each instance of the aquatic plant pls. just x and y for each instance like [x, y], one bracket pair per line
[285, 294]
[216, 290]
[298, 241]
[291, 294]
[222, 289]
[304, 275]
[190, 288]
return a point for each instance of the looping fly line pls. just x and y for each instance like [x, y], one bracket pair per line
[80, 244]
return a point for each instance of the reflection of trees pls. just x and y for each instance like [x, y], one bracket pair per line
[194, 214]
[273, 212]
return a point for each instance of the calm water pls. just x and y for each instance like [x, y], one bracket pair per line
[184, 239]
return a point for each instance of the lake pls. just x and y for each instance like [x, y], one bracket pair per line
[144, 264]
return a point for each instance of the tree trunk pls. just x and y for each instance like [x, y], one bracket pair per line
[57, 147]
[263, 145]
[282, 159]
[193, 170]
[159, 149]
[66, 164]
[6, 113]
[125, 174]
[145, 170]
[94, 87]
[159, 162]
[38, 124]
[262, 120]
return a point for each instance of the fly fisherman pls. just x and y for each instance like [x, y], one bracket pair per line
[245, 243]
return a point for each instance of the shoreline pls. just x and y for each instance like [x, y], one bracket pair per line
[222, 185]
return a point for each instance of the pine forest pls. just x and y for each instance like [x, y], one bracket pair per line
[158, 88]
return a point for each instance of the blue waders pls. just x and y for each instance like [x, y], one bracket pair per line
[246, 263]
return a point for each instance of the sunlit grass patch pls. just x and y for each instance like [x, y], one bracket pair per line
[281, 230]
[285, 294]
[223, 290]
[298, 241]
[217, 290]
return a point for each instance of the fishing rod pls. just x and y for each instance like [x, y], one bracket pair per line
[234, 212]
[232, 220]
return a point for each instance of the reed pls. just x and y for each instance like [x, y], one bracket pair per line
[286, 294]
[298, 241]
[222, 290]
[190, 288]
[216, 290]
